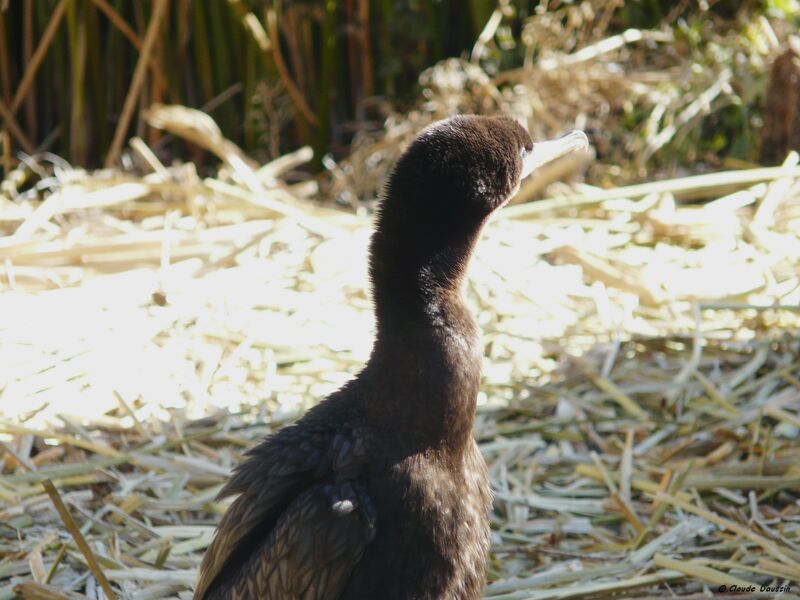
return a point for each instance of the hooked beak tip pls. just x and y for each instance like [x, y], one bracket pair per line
[545, 152]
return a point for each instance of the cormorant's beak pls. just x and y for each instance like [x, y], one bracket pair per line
[545, 152]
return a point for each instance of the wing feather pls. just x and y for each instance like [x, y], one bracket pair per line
[275, 474]
[275, 471]
[310, 552]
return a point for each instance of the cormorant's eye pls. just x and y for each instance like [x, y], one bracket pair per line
[525, 150]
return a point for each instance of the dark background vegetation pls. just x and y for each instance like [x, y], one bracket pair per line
[349, 61]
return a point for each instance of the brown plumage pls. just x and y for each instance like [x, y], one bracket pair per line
[380, 490]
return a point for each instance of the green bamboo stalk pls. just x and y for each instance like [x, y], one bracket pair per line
[99, 120]
[236, 71]
[479, 13]
[27, 52]
[154, 94]
[221, 57]
[201, 56]
[350, 50]
[437, 17]
[250, 79]
[386, 47]
[5, 72]
[58, 84]
[310, 57]
[365, 41]
[120, 50]
[307, 63]
[293, 26]
[180, 71]
[45, 116]
[77, 52]
[5, 152]
[326, 80]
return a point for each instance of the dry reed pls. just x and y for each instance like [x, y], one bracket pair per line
[640, 408]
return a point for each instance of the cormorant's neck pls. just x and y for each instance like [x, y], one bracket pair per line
[427, 354]
[418, 282]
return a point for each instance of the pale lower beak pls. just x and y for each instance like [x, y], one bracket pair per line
[545, 152]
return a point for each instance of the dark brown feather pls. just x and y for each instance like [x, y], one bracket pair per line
[310, 552]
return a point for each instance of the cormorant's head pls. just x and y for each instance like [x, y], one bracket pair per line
[454, 175]
[464, 168]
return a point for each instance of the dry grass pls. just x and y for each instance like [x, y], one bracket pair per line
[640, 410]
[155, 326]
